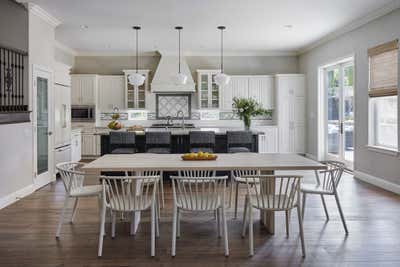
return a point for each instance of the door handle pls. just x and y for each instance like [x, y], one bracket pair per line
[341, 127]
[49, 133]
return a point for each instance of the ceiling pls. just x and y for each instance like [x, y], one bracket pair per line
[253, 26]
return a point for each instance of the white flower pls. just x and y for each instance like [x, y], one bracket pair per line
[241, 109]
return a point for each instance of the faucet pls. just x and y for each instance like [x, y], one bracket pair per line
[169, 120]
[180, 112]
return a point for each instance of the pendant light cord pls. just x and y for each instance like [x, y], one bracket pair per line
[137, 50]
[222, 51]
[179, 47]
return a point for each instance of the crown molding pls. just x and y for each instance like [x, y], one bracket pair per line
[43, 14]
[65, 48]
[386, 9]
[81, 53]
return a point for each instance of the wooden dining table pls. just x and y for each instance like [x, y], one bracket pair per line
[266, 163]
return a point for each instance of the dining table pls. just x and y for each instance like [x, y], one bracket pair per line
[267, 163]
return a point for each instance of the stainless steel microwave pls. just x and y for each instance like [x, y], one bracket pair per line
[83, 113]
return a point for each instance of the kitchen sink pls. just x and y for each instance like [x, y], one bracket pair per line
[174, 125]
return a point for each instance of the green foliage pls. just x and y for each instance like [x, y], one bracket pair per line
[248, 107]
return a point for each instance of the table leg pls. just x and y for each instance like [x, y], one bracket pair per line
[268, 218]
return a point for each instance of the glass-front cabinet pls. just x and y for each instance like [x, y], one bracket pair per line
[208, 91]
[135, 97]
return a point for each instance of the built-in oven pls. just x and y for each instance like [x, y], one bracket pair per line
[83, 113]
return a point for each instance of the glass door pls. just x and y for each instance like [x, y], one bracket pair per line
[42, 113]
[339, 92]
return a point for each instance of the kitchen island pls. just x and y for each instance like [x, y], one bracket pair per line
[179, 139]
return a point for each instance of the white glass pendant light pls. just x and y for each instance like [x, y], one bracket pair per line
[179, 78]
[136, 79]
[221, 79]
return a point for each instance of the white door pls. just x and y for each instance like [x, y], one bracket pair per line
[339, 107]
[42, 126]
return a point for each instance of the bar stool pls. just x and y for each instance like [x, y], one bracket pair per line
[122, 142]
[239, 141]
[202, 141]
[158, 142]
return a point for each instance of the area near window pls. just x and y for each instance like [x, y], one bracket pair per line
[383, 96]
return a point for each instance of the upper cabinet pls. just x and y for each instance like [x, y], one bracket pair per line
[111, 92]
[260, 88]
[135, 97]
[209, 95]
[83, 89]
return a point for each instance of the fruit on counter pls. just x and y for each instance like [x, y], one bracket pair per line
[114, 125]
[199, 156]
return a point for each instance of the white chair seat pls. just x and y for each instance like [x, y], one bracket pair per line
[200, 202]
[130, 204]
[270, 202]
[315, 189]
[86, 191]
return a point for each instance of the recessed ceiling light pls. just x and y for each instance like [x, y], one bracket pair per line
[288, 26]
[84, 27]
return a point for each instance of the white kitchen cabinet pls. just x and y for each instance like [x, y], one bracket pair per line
[268, 140]
[261, 89]
[62, 115]
[208, 91]
[135, 97]
[76, 146]
[290, 112]
[111, 92]
[90, 145]
[83, 89]
[237, 87]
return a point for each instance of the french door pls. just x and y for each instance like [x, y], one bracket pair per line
[339, 120]
[42, 126]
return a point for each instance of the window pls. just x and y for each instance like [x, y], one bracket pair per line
[383, 90]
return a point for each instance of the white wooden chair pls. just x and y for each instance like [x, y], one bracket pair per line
[73, 182]
[199, 194]
[237, 178]
[327, 183]
[129, 194]
[272, 193]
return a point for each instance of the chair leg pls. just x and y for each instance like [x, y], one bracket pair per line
[153, 229]
[157, 221]
[225, 229]
[303, 249]
[325, 209]
[341, 213]
[174, 219]
[74, 210]
[133, 218]
[230, 193]
[251, 244]
[218, 222]
[113, 221]
[287, 215]
[236, 199]
[61, 220]
[246, 203]
[303, 209]
[178, 227]
[162, 190]
[102, 227]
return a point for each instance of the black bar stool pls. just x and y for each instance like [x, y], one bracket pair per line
[202, 141]
[158, 142]
[122, 142]
[239, 141]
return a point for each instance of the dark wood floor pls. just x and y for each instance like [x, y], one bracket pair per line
[27, 230]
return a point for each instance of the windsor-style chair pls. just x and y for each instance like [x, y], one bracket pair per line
[73, 183]
[272, 193]
[199, 194]
[129, 194]
[327, 183]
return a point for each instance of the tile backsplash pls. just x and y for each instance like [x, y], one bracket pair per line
[168, 105]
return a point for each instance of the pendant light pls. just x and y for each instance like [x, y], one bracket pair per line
[222, 79]
[179, 78]
[136, 79]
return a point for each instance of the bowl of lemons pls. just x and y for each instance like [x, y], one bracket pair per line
[199, 156]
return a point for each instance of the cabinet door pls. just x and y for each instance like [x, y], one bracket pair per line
[261, 90]
[111, 92]
[268, 142]
[88, 86]
[204, 82]
[76, 147]
[75, 91]
[237, 87]
[88, 145]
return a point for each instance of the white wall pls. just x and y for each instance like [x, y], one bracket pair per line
[357, 42]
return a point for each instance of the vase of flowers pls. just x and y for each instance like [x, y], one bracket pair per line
[246, 108]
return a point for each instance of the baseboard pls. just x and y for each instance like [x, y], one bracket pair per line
[311, 156]
[17, 195]
[379, 182]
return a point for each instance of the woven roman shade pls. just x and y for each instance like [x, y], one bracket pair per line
[383, 69]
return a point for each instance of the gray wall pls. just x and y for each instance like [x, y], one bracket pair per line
[64, 57]
[356, 42]
[234, 65]
[13, 25]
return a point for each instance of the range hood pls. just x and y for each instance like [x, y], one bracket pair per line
[163, 80]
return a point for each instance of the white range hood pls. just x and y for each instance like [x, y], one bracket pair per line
[163, 80]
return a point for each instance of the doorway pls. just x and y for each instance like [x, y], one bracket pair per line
[338, 97]
[42, 126]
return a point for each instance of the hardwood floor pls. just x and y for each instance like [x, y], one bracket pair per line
[27, 234]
